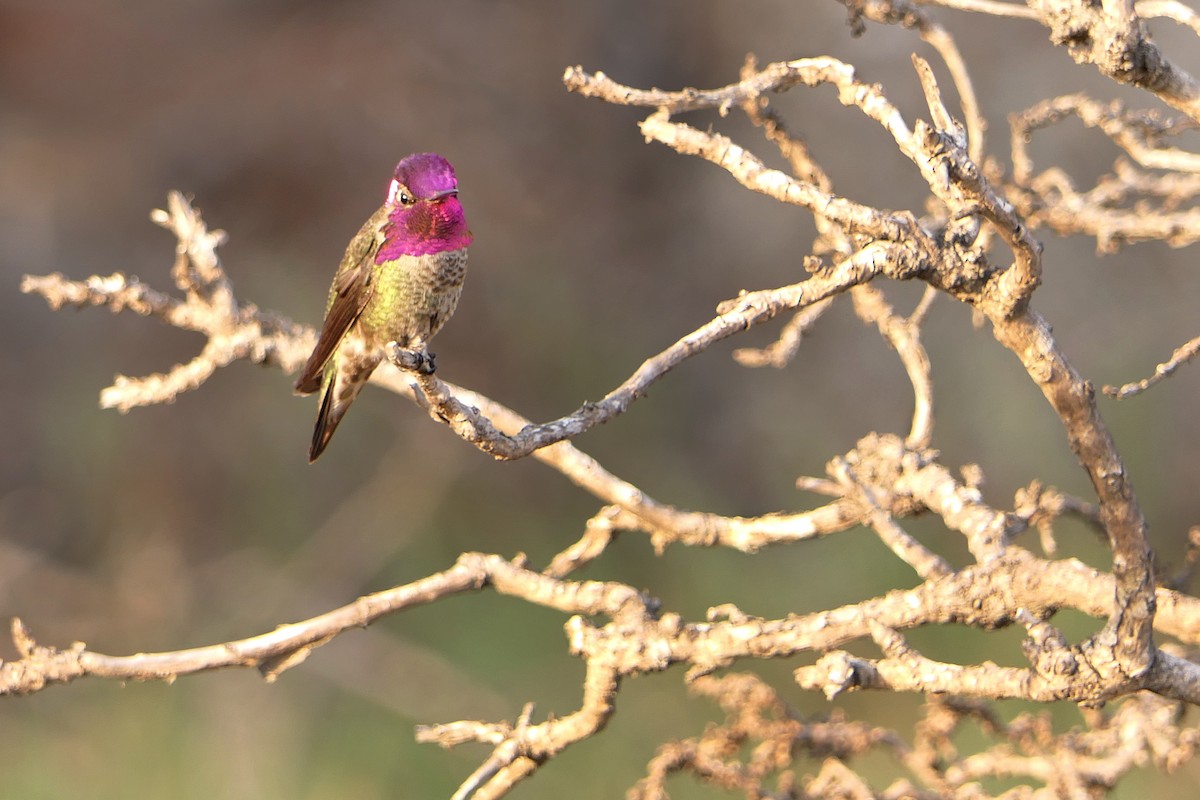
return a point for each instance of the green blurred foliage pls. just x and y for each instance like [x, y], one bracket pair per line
[199, 522]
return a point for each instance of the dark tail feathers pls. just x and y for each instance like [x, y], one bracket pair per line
[327, 422]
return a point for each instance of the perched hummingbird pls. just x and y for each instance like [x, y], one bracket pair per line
[399, 281]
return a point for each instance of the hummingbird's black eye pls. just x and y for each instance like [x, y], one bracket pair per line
[405, 198]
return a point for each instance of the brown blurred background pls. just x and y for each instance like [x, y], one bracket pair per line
[198, 522]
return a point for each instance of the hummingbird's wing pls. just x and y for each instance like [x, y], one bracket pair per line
[352, 289]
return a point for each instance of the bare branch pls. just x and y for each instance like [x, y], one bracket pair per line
[1181, 356]
[1169, 9]
[275, 651]
[1111, 36]
[998, 8]
[233, 333]
[1072, 398]
[910, 15]
[904, 336]
[783, 350]
[746, 311]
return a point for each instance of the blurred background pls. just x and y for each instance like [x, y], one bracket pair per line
[199, 522]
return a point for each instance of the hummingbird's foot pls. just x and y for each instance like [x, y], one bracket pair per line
[420, 361]
[428, 364]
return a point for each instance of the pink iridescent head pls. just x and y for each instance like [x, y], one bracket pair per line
[425, 216]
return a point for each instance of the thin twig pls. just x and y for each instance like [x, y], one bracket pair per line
[1181, 356]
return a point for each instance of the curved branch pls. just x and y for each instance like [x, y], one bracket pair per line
[744, 312]
[1183, 354]
[1073, 400]
[287, 645]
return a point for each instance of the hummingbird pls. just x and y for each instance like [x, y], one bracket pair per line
[399, 281]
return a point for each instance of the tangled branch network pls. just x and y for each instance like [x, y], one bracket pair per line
[975, 243]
